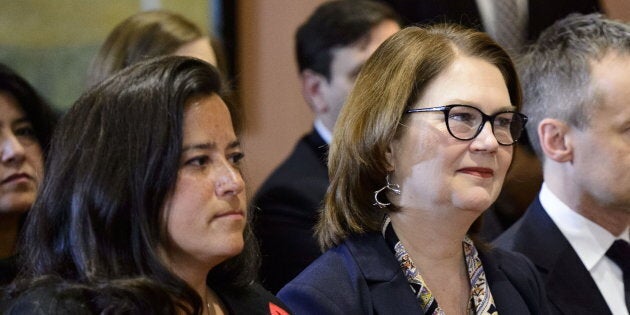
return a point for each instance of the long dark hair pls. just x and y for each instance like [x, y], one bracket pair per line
[114, 162]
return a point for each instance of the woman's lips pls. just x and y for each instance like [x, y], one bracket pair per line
[478, 171]
[229, 214]
[16, 178]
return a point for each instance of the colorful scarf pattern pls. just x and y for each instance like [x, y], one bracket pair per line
[481, 301]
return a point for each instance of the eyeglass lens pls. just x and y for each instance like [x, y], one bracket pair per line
[465, 123]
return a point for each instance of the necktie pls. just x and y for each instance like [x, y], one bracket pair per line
[510, 27]
[619, 252]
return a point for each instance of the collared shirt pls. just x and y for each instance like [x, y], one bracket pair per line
[590, 241]
[323, 131]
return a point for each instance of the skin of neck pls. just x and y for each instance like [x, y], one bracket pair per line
[439, 239]
[433, 240]
[9, 229]
[615, 219]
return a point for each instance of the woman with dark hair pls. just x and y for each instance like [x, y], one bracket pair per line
[26, 124]
[421, 149]
[143, 206]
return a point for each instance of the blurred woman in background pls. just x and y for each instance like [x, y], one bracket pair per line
[151, 34]
[26, 124]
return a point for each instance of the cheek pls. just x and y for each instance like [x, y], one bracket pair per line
[340, 90]
[34, 158]
[504, 159]
[187, 203]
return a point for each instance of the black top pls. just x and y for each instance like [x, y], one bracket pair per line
[63, 298]
[8, 270]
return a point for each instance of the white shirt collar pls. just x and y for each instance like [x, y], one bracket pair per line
[589, 240]
[323, 131]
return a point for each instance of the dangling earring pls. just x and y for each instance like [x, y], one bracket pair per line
[395, 188]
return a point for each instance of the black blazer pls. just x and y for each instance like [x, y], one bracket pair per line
[542, 13]
[286, 210]
[570, 287]
[362, 276]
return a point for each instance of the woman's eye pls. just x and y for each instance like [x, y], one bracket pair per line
[27, 132]
[463, 117]
[503, 122]
[235, 158]
[198, 161]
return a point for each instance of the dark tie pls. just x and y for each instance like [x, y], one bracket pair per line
[510, 28]
[619, 252]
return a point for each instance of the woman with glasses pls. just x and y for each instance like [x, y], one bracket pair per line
[421, 149]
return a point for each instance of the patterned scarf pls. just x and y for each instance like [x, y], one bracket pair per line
[481, 302]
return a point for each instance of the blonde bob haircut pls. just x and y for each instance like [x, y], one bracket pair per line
[392, 79]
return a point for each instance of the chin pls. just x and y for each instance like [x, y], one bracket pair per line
[474, 202]
[233, 247]
[16, 205]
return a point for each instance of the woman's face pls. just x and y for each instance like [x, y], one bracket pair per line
[206, 214]
[21, 162]
[436, 170]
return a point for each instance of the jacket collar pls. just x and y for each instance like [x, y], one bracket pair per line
[569, 285]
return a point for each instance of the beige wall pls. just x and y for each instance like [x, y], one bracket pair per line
[276, 114]
[617, 9]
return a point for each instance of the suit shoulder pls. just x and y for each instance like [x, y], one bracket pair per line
[330, 285]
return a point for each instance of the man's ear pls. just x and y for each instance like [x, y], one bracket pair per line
[313, 85]
[554, 140]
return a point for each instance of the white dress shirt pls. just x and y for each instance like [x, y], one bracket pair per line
[323, 131]
[590, 241]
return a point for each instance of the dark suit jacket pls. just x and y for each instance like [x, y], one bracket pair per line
[542, 13]
[288, 204]
[362, 276]
[570, 287]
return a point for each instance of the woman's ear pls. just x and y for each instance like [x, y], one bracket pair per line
[555, 140]
[390, 157]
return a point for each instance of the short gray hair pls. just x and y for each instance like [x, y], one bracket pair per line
[555, 70]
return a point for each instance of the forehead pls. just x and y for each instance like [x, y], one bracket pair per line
[610, 78]
[9, 108]
[207, 118]
[469, 81]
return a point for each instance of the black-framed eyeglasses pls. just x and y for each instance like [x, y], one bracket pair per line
[465, 122]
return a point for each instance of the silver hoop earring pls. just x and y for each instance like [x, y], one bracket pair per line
[395, 188]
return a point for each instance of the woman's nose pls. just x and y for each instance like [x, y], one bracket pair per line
[485, 140]
[11, 150]
[230, 182]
